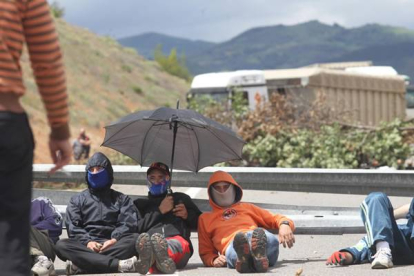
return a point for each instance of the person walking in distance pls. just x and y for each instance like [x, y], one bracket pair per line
[26, 21]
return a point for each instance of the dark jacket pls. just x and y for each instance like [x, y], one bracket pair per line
[100, 215]
[152, 221]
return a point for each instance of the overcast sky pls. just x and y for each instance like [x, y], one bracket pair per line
[220, 20]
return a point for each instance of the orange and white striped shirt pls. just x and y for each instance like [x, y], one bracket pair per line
[30, 21]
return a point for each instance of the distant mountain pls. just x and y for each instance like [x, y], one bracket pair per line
[146, 43]
[398, 55]
[282, 46]
[307, 43]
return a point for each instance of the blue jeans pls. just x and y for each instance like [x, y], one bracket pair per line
[378, 216]
[272, 250]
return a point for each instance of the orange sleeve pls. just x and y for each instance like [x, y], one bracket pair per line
[269, 220]
[47, 63]
[205, 246]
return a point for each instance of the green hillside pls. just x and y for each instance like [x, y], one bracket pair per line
[300, 45]
[146, 43]
[105, 81]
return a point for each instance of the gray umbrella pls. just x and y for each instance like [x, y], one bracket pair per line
[154, 135]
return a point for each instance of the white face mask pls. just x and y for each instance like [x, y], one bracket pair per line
[226, 198]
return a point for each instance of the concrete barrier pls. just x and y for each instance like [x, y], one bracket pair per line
[308, 219]
[341, 181]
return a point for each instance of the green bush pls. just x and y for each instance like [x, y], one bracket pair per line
[137, 90]
[57, 10]
[331, 147]
[172, 64]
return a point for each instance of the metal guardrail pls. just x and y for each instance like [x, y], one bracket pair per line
[339, 181]
[308, 219]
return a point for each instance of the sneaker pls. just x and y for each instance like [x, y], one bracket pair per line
[144, 250]
[72, 269]
[242, 248]
[128, 265]
[258, 247]
[43, 267]
[382, 259]
[163, 262]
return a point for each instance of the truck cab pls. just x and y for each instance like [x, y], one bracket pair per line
[221, 86]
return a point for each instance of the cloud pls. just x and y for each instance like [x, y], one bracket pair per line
[219, 20]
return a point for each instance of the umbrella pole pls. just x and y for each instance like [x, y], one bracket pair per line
[173, 146]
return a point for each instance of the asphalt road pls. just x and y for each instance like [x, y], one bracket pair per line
[308, 254]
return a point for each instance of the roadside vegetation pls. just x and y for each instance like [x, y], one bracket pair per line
[281, 134]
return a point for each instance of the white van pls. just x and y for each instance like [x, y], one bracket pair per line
[220, 86]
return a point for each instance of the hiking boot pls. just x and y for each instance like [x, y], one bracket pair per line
[258, 247]
[128, 265]
[72, 269]
[382, 259]
[145, 254]
[242, 248]
[43, 267]
[163, 261]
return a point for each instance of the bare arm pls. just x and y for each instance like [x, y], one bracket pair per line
[401, 212]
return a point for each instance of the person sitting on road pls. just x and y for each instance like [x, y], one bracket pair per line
[386, 241]
[232, 234]
[45, 229]
[166, 224]
[101, 225]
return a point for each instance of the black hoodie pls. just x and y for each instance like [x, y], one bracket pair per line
[167, 224]
[101, 214]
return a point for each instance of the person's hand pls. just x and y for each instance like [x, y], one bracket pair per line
[286, 236]
[167, 204]
[61, 153]
[180, 211]
[108, 244]
[339, 258]
[94, 246]
[220, 261]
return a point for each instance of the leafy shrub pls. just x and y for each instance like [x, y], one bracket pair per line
[57, 10]
[126, 68]
[280, 135]
[172, 64]
[137, 90]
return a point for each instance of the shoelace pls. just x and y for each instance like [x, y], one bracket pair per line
[42, 262]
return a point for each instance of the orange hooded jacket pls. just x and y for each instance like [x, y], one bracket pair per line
[217, 229]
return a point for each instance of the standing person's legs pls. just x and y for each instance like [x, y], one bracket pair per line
[87, 150]
[16, 160]
[40, 244]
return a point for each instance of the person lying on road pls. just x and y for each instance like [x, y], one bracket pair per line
[386, 241]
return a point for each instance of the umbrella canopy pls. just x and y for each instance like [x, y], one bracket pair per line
[148, 136]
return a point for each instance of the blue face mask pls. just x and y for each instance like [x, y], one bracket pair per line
[158, 189]
[98, 180]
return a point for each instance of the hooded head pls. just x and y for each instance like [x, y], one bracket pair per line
[223, 190]
[99, 172]
[158, 178]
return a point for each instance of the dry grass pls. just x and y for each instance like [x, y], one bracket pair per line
[101, 78]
